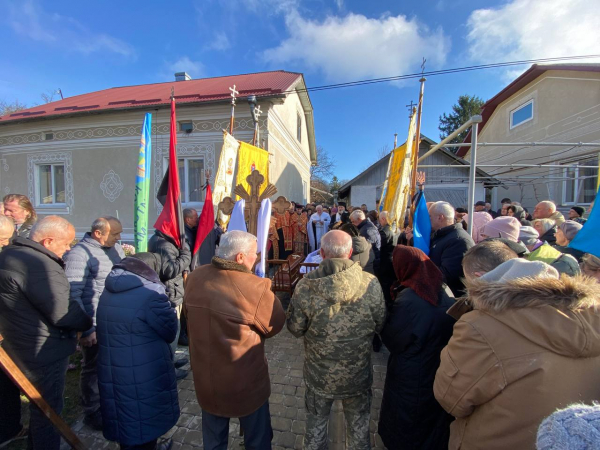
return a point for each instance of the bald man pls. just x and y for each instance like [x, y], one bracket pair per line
[37, 320]
[7, 229]
[337, 308]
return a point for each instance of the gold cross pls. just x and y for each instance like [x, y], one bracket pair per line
[254, 199]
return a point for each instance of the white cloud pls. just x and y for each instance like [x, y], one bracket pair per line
[28, 19]
[354, 46]
[533, 29]
[340, 4]
[220, 42]
[194, 69]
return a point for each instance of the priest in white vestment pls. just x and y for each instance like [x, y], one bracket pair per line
[321, 221]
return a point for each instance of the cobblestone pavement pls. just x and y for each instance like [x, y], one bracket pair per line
[285, 355]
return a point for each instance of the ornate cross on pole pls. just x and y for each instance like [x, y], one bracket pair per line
[257, 113]
[233, 94]
[410, 108]
[253, 198]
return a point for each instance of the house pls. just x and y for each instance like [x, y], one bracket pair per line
[78, 156]
[554, 103]
[441, 183]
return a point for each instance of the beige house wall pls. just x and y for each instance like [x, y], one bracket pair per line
[566, 108]
[100, 154]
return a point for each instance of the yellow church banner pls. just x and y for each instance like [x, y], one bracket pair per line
[397, 210]
[252, 158]
[396, 159]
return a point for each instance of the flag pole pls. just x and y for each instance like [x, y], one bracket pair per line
[415, 155]
[231, 122]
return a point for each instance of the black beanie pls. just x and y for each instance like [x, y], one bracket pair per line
[580, 210]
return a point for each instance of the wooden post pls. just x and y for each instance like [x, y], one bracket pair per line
[415, 155]
[15, 374]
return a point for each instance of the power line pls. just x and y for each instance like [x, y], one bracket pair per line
[437, 72]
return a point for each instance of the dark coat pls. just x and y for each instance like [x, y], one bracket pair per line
[447, 248]
[174, 262]
[190, 236]
[577, 254]
[362, 251]
[415, 334]
[370, 232]
[384, 269]
[549, 236]
[136, 377]
[37, 320]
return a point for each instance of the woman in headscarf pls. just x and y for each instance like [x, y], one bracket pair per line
[417, 330]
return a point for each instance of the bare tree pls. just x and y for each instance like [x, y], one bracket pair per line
[323, 169]
[383, 151]
[9, 108]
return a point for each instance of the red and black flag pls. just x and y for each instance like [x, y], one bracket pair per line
[170, 220]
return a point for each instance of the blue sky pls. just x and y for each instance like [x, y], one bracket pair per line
[86, 46]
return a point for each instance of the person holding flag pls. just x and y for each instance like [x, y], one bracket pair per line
[168, 241]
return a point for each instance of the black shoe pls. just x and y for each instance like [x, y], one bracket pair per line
[94, 421]
[164, 444]
[183, 340]
[181, 362]
[180, 374]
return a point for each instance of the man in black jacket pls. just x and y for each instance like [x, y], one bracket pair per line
[449, 243]
[37, 320]
[384, 269]
[174, 262]
[366, 230]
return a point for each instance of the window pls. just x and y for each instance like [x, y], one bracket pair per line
[522, 114]
[305, 191]
[580, 185]
[191, 179]
[51, 184]
[299, 127]
[48, 136]
[186, 127]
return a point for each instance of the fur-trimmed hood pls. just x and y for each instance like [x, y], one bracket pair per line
[561, 315]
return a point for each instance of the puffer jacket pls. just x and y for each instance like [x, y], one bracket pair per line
[87, 265]
[415, 334]
[362, 252]
[530, 346]
[136, 377]
[174, 262]
[549, 236]
[371, 234]
[37, 320]
[447, 248]
[337, 308]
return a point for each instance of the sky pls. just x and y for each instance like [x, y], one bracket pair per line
[83, 47]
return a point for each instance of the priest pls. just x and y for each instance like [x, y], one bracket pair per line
[342, 216]
[299, 221]
[321, 225]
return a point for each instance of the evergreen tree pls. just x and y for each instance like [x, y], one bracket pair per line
[466, 107]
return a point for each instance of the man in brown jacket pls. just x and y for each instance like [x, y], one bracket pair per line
[230, 313]
[531, 345]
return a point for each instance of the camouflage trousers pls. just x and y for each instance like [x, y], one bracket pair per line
[357, 412]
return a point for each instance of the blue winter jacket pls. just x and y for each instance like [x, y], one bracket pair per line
[135, 323]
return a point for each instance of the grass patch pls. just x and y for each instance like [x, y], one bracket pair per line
[72, 409]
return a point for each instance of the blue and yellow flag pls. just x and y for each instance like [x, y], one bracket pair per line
[142, 188]
[421, 224]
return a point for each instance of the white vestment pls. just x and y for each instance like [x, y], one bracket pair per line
[320, 229]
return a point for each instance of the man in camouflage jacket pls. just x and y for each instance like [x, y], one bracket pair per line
[337, 308]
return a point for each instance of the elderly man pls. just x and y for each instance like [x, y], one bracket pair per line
[547, 210]
[20, 210]
[366, 229]
[340, 216]
[37, 320]
[227, 342]
[87, 265]
[319, 221]
[337, 308]
[449, 243]
[488, 209]
[7, 229]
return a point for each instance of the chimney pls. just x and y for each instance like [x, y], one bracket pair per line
[182, 76]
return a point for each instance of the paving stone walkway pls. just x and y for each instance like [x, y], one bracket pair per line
[285, 355]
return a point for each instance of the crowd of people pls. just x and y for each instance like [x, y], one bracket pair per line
[493, 336]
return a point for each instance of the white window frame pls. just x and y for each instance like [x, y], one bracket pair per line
[512, 125]
[38, 195]
[576, 188]
[185, 201]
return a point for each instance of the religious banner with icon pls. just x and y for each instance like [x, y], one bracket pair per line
[252, 158]
[224, 179]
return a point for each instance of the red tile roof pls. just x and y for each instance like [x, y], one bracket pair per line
[264, 84]
[519, 83]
